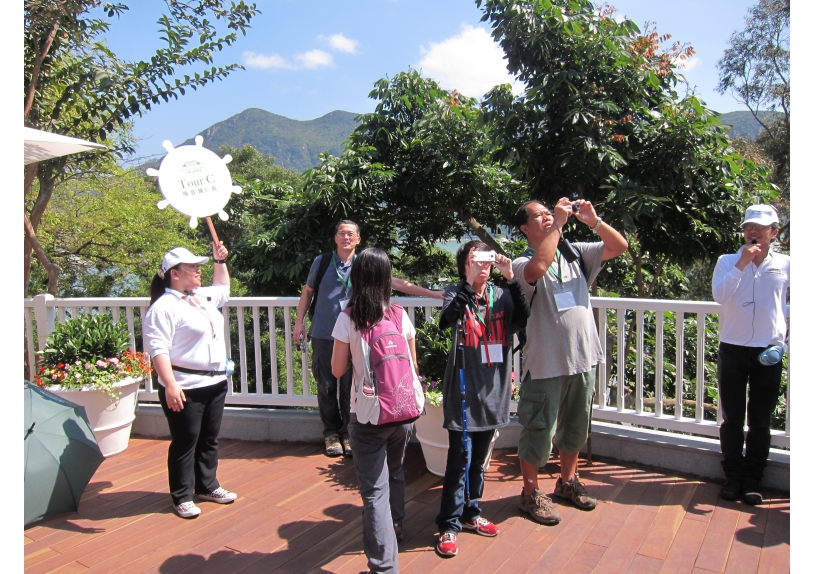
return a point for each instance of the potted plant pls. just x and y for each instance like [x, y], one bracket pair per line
[87, 361]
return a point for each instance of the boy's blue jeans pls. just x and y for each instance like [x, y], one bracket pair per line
[453, 507]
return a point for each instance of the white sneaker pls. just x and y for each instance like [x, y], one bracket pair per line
[219, 495]
[187, 509]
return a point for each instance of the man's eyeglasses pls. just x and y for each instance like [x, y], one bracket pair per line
[348, 234]
[755, 227]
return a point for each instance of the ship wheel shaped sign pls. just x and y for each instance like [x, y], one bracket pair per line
[195, 182]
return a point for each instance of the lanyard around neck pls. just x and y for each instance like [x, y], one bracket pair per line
[489, 304]
[558, 272]
[346, 284]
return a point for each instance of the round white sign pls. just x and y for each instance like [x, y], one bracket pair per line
[194, 181]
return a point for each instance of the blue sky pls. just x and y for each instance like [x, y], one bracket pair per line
[304, 59]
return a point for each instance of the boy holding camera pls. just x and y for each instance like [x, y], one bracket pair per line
[484, 317]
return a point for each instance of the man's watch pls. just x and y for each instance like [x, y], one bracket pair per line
[221, 261]
[595, 228]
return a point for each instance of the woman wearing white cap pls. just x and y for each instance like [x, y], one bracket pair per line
[183, 332]
[752, 287]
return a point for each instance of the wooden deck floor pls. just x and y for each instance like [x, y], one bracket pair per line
[299, 511]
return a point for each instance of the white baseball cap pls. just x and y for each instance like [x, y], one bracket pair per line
[760, 214]
[180, 255]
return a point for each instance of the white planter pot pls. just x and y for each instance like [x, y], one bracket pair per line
[111, 421]
[434, 439]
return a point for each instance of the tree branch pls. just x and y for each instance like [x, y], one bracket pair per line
[35, 73]
[52, 269]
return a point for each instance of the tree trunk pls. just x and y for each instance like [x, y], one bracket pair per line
[52, 269]
[47, 179]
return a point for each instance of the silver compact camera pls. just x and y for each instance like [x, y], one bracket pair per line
[484, 256]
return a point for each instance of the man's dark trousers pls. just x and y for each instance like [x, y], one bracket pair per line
[737, 366]
[334, 414]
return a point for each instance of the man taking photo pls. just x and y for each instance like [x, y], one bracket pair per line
[562, 349]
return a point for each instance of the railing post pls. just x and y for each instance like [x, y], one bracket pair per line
[44, 317]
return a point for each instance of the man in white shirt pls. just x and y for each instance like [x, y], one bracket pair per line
[752, 286]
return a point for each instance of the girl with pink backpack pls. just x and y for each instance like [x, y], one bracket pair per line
[377, 340]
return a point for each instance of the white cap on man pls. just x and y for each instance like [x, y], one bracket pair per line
[180, 255]
[760, 214]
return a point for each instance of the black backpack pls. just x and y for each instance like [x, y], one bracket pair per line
[323, 267]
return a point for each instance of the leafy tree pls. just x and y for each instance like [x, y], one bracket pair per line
[601, 120]
[415, 171]
[75, 85]
[755, 67]
[755, 70]
[104, 231]
[264, 185]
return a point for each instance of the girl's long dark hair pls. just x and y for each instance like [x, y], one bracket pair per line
[158, 285]
[370, 277]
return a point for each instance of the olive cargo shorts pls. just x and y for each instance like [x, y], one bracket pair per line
[560, 403]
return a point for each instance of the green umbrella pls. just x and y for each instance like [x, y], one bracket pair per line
[61, 453]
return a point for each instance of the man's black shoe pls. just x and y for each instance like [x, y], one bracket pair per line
[731, 490]
[751, 494]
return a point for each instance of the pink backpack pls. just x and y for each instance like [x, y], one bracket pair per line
[391, 392]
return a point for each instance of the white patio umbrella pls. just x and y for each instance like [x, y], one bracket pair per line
[40, 145]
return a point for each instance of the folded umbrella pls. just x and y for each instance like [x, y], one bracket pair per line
[61, 454]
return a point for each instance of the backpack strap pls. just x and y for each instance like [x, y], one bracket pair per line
[395, 313]
[323, 267]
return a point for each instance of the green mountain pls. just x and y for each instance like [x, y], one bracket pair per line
[296, 144]
[293, 143]
[744, 124]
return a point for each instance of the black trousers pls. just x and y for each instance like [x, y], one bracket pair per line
[334, 413]
[192, 461]
[737, 367]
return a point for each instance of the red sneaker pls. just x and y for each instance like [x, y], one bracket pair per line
[447, 545]
[481, 526]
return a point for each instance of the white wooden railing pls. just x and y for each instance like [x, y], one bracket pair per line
[43, 311]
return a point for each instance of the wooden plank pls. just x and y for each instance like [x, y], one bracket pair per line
[656, 494]
[745, 553]
[156, 532]
[684, 550]
[69, 568]
[657, 542]
[775, 556]
[626, 543]
[615, 517]
[644, 565]
[704, 501]
[299, 511]
[718, 539]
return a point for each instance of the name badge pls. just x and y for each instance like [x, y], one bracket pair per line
[495, 353]
[343, 303]
[564, 300]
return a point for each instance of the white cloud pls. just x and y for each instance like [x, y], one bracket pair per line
[688, 65]
[341, 43]
[315, 58]
[263, 61]
[470, 62]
